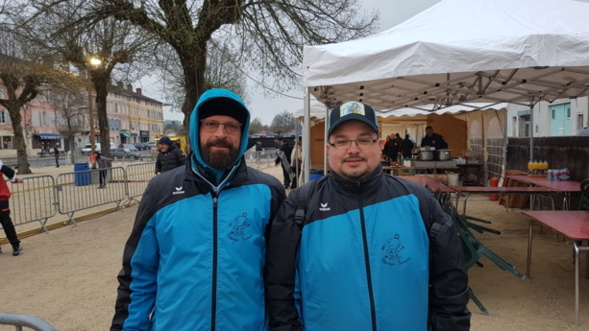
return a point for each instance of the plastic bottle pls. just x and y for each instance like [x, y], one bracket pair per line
[543, 168]
[530, 168]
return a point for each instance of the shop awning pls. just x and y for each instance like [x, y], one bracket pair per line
[48, 136]
[128, 135]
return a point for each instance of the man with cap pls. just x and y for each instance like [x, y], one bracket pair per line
[195, 257]
[358, 249]
[169, 156]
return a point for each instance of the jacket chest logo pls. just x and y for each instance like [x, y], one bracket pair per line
[240, 228]
[324, 207]
[392, 251]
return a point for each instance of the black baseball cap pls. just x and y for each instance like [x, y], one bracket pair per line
[352, 110]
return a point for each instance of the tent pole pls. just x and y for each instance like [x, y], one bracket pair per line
[307, 137]
[325, 140]
[532, 129]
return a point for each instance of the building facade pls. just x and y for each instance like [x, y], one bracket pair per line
[132, 118]
[562, 117]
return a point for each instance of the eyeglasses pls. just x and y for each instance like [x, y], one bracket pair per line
[345, 144]
[212, 126]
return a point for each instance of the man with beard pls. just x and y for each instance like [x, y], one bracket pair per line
[195, 257]
[361, 250]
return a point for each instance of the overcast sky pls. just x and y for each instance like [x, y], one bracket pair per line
[265, 107]
[392, 12]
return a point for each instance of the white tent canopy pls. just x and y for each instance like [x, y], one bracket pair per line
[460, 52]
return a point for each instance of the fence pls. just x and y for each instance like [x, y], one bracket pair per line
[20, 320]
[258, 159]
[40, 198]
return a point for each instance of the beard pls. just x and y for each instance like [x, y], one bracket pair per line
[219, 159]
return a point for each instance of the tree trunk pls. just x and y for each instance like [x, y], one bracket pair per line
[101, 94]
[19, 141]
[194, 81]
[101, 79]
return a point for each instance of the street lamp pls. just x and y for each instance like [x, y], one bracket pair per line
[94, 62]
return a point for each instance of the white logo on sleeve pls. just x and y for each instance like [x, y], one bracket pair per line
[324, 207]
[178, 190]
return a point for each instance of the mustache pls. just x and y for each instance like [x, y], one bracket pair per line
[219, 143]
[354, 158]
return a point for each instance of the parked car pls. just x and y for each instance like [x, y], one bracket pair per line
[88, 148]
[142, 146]
[125, 153]
[127, 146]
[151, 145]
[583, 132]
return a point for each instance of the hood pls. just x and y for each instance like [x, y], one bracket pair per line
[194, 136]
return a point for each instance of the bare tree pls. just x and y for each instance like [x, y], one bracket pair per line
[70, 113]
[268, 34]
[58, 28]
[221, 72]
[255, 126]
[22, 84]
[283, 122]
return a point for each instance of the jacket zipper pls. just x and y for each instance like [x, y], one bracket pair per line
[367, 264]
[214, 275]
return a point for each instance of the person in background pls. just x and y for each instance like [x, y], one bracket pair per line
[195, 257]
[296, 162]
[358, 249]
[103, 163]
[5, 219]
[433, 139]
[283, 158]
[259, 150]
[392, 148]
[56, 152]
[169, 156]
[407, 147]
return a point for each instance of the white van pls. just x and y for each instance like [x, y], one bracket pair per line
[88, 149]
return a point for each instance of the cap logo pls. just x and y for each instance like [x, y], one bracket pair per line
[351, 107]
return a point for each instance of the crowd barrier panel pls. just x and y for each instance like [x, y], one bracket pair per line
[258, 159]
[80, 190]
[20, 320]
[138, 176]
[33, 200]
[40, 198]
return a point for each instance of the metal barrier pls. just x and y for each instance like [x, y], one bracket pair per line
[33, 200]
[81, 190]
[20, 320]
[138, 176]
[259, 159]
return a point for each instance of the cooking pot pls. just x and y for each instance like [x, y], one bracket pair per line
[444, 154]
[426, 155]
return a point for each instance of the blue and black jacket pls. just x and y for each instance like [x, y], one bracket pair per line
[365, 259]
[195, 257]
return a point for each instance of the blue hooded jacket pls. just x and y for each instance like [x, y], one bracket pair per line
[195, 257]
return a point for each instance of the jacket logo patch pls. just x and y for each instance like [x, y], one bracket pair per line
[178, 190]
[392, 249]
[240, 228]
[324, 207]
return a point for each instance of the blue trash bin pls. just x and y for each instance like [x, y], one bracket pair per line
[316, 174]
[83, 178]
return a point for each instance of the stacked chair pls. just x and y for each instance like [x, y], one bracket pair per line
[474, 249]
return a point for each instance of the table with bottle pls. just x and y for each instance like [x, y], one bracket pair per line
[565, 187]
